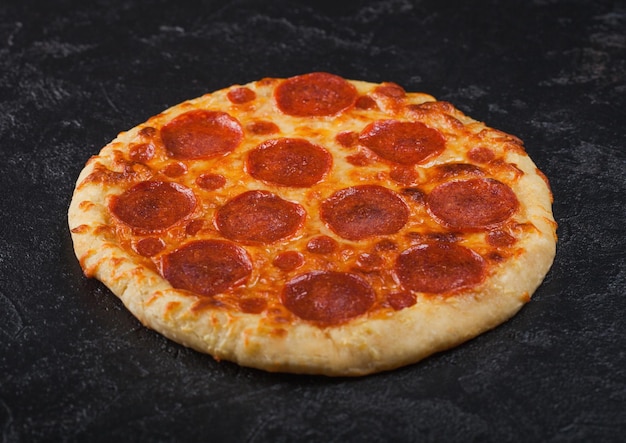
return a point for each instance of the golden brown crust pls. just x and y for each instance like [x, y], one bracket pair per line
[248, 323]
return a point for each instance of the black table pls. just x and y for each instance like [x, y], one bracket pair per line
[76, 366]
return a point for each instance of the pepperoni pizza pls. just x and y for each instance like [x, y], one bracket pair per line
[315, 224]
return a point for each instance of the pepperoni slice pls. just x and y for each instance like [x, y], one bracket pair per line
[288, 260]
[328, 297]
[142, 153]
[500, 239]
[259, 216]
[474, 203]
[315, 94]
[401, 300]
[201, 134]
[149, 247]
[405, 175]
[147, 132]
[322, 244]
[347, 139]
[365, 102]
[407, 143]
[449, 171]
[252, 305]
[174, 170]
[262, 127]
[439, 268]
[289, 162]
[153, 205]
[364, 211]
[481, 154]
[390, 89]
[210, 181]
[194, 226]
[367, 262]
[207, 267]
[241, 95]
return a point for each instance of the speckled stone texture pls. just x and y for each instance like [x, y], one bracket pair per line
[76, 366]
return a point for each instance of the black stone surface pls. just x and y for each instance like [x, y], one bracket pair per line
[76, 366]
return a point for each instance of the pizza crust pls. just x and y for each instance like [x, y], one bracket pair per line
[380, 340]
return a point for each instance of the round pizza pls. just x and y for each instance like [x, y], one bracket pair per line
[315, 224]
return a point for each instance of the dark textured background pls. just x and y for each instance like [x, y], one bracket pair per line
[75, 366]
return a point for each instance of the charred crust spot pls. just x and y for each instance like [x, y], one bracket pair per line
[81, 229]
[86, 205]
[171, 307]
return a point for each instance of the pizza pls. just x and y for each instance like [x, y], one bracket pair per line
[315, 224]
